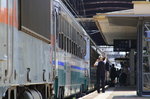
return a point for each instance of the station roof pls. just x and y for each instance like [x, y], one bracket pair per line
[122, 24]
[88, 8]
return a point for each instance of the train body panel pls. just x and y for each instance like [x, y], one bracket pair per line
[70, 46]
[25, 55]
[31, 59]
[71, 72]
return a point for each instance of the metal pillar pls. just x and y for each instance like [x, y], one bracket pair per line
[139, 57]
[132, 68]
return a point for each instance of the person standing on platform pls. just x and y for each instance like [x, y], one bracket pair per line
[112, 75]
[100, 75]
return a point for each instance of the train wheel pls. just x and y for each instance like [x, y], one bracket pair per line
[32, 94]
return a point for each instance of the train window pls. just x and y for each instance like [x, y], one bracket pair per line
[82, 53]
[35, 17]
[79, 52]
[74, 48]
[59, 41]
[78, 38]
[62, 39]
[59, 22]
[84, 47]
[70, 46]
[65, 43]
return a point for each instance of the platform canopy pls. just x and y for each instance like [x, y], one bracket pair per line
[122, 24]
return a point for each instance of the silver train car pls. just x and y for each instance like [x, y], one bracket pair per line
[73, 48]
[44, 52]
[26, 70]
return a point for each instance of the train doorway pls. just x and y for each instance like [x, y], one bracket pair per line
[143, 86]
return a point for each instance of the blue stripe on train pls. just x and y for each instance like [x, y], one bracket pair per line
[74, 67]
[61, 63]
[78, 68]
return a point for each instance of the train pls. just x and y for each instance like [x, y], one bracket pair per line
[44, 52]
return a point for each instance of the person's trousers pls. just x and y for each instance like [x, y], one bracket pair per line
[113, 81]
[102, 80]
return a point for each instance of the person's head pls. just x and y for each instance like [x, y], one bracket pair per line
[101, 58]
[104, 58]
[113, 65]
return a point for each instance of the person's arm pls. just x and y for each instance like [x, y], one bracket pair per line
[96, 63]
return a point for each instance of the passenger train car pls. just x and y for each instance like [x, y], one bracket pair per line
[72, 53]
[26, 70]
[42, 49]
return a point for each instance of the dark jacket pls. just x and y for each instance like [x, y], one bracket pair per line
[112, 72]
[101, 69]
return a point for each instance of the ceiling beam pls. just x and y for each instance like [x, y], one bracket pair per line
[105, 8]
[106, 2]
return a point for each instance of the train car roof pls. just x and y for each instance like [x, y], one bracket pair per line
[77, 24]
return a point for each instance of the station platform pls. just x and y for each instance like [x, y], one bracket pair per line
[119, 92]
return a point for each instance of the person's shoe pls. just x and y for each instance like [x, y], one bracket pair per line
[98, 91]
[103, 91]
